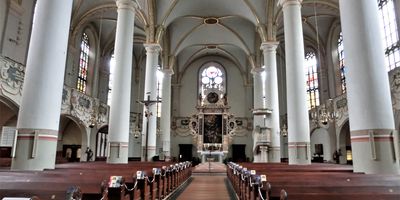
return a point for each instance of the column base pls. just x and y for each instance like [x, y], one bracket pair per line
[299, 153]
[264, 154]
[257, 158]
[375, 151]
[151, 152]
[35, 149]
[118, 153]
[274, 155]
[167, 156]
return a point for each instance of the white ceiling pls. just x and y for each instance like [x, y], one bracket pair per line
[242, 25]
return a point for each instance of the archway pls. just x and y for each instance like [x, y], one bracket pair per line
[322, 144]
[345, 145]
[8, 123]
[72, 136]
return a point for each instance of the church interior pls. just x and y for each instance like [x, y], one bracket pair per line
[152, 99]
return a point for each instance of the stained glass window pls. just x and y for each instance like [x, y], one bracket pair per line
[212, 77]
[342, 67]
[310, 65]
[389, 33]
[83, 63]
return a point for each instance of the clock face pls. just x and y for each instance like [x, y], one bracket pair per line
[212, 97]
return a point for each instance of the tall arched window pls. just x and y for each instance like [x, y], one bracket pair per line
[390, 34]
[83, 63]
[342, 67]
[310, 64]
[212, 77]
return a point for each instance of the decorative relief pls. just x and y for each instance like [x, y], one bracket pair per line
[241, 126]
[66, 98]
[80, 108]
[394, 78]
[193, 124]
[87, 109]
[11, 79]
[341, 110]
[180, 126]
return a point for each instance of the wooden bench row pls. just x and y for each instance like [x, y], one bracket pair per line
[312, 183]
[156, 181]
[158, 185]
[248, 185]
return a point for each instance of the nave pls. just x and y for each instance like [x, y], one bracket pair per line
[209, 180]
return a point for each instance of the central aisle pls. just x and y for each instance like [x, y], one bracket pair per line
[209, 182]
[206, 187]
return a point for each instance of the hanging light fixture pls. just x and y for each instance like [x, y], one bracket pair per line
[323, 114]
[284, 131]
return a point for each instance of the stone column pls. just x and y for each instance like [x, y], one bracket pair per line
[264, 153]
[149, 139]
[39, 114]
[258, 102]
[373, 135]
[298, 121]
[121, 91]
[166, 113]
[272, 99]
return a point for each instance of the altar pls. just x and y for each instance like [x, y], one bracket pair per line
[212, 156]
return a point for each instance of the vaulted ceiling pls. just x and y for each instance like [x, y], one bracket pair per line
[191, 29]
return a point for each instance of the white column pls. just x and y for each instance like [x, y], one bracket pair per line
[258, 102]
[121, 91]
[264, 153]
[373, 135]
[39, 114]
[149, 139]
[298, 122]
[166, 113]
[272, 99]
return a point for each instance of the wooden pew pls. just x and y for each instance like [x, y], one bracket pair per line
[52, 184]
[315, 182]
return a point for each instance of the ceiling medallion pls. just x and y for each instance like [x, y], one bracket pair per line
[211, 20]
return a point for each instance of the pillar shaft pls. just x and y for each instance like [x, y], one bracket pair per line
[121, 91]
[149, 130]
[298, 121]
[368, 92]
[272, 99]
[39, 114]
[166, 114]
[258, 102]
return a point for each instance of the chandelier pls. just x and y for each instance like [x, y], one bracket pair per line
[284, 131]
[324, 114]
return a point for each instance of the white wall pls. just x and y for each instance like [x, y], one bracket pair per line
[322, 136]
[72, 135]
[17, 30]
[3, 18]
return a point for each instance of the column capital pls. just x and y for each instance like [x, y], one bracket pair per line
[269, 46]
[168, 72]
[257, 70]
[127, 4]
[284, 3]
[264, 148]
[152, 47]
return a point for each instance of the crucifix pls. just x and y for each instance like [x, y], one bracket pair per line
[147, 103]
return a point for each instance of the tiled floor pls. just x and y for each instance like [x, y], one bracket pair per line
[209, 187]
